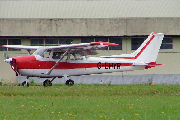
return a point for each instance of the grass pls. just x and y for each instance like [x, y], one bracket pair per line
[120, 102]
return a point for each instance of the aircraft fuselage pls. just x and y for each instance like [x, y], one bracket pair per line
[36, 66]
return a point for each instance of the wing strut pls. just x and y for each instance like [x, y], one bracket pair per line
[49, 72]
[65, 53]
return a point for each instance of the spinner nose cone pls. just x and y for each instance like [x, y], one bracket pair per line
[9, 60]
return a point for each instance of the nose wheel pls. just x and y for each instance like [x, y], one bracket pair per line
[69, 82]
[25, 84]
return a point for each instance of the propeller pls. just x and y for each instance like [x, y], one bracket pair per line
[7, 59]
[11, 61]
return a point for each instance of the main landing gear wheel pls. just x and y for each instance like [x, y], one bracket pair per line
[25, 84]
[47, 83]
[69, 82]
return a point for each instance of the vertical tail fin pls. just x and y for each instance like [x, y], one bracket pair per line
[147, 52]
[149, 49]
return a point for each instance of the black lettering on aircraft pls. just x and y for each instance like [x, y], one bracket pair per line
[109, 65]
[99, 65]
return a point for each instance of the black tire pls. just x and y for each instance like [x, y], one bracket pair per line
[24, 84]
[47, 83]
[69, 82]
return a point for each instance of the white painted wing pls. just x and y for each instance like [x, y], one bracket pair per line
[83, 48]
[22, 47]
[93, 45]
[82, 45]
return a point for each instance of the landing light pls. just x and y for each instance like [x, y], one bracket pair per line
[12, 67]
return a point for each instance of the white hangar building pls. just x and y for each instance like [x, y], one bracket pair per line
[126, 22]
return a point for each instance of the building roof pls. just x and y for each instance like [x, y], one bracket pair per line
[89, 8]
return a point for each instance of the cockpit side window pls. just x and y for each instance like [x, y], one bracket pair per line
[57, 55]
[71, 56]
[47, 54]
[77, 56]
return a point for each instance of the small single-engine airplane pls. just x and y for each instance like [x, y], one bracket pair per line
[73, 60]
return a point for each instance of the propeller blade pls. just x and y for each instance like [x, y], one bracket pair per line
[5, 55]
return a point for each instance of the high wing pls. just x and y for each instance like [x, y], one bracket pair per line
[82, 49]
[22, 47]
[28, 48]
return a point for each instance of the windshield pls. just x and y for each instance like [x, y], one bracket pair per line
[40, 51]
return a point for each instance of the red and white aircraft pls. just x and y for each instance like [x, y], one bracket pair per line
[72, 60]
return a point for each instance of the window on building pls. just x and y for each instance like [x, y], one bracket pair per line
[51, 42]
[3, 42]
[117, 41]
[136, 42]
[87, 40]
[65, 41]
[101, 39]
[14, 42]
[167, 43]
[37, 42]
[9, 42]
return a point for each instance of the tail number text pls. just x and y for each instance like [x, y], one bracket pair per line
[108, 65]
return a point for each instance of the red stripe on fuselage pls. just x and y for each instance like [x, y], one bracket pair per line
[30, 62]
[138, 53]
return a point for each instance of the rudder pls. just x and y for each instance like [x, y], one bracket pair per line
[149, 49]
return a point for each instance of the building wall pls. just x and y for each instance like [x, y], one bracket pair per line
[89, 27]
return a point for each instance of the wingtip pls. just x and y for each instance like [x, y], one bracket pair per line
[102, 43]
[160, 64]
[4, 46]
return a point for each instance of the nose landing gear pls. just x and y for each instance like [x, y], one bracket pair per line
[25, 84]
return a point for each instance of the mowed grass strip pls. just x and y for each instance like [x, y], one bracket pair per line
[121, 102]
